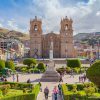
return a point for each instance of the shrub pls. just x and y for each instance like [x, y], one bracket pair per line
[69, 86]
[36, 70]
[93, 73]
[1, 95]
[16, 85]
[24, 69]
[89, 90]
[74, 88]
[41, 66]
[61, 70]
[24, 96]
[10, 64]
[24, 90]
[73, 63]
[77, 92]
[31, 70]
[5, 89]
[80, 87]
[18, 68]
[81, 93]
[64, 88]
[68, 69]
[30, 62]
[2, 64]
[76, 70]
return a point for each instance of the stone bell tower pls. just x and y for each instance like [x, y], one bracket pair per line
[66, 37]
[35, 38]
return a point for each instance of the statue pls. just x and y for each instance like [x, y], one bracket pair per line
[51, 49]
[50, 75]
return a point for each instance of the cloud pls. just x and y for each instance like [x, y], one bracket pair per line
[1, 25]
[12, 25]
[82, 13]
[98, 13]
[85, 14]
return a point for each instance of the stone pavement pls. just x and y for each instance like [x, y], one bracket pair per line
[50, 86]
[36, 78]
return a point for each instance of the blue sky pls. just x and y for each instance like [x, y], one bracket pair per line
[16, 14]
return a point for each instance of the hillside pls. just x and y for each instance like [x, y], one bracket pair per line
[82, 36]
[88, 38]
[12, 33]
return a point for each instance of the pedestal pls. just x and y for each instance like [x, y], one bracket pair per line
[50, 75]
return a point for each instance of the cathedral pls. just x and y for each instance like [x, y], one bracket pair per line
[63, 46]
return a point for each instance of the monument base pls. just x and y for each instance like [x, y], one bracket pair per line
[50, 75]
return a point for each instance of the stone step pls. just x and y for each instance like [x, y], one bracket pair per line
[49, 80]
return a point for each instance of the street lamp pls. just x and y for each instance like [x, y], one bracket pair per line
[98, 48]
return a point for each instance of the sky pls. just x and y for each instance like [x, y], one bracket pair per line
[16, 14]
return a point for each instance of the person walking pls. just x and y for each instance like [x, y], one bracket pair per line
[46, 93]
[61, 80]
[29, 81]
[59, 87]
[72, 74]
[84, 77]
[17, 76]
[55, 92]
[13, 77]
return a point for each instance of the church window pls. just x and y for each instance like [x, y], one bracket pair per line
[35, 27]
[66, 27]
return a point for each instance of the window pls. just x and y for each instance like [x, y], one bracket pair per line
[35, 27]
[66, 27]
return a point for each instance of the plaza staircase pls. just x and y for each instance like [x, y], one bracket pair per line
[51, 74]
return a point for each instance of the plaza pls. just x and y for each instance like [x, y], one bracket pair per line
[35, 78]
[49, 50]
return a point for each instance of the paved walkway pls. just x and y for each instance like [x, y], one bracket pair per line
[50, 86]
[36, 77]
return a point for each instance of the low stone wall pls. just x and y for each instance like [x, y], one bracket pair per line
[59, 61]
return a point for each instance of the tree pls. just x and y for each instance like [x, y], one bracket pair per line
[10, 64]
[2, 64]
[30, 62]
[41, 66]
[93, 73]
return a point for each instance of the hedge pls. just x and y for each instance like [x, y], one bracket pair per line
[20, 97]
[36, 91]
[19, 85]
[73, 63]
[26, 96]
[68, 94]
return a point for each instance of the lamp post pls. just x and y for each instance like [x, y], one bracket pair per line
[98, 48]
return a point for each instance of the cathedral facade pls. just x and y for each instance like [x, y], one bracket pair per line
[63, 46]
